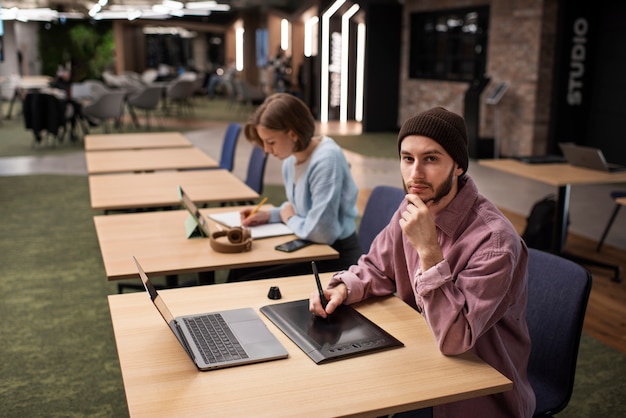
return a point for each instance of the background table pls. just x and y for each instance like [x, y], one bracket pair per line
[144, 140]
[119, 161]
[159, 378]
[25, 84]
[561, 176]
[159, 189]
[158, 240]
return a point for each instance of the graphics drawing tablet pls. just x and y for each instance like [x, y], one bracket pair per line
[345, 333]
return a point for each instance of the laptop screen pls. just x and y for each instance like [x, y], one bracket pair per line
[154, 296]
[194, 211]
[582, 156]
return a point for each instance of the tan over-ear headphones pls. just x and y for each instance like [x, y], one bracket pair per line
[239, 240]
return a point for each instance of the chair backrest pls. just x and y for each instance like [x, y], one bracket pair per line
[80, 91]
[256, 169]
[96, 88]
[147, 98]
[227, 159]
[380, 207]
[246, 93]
[107, 106]
[180, 89]
[558, 291]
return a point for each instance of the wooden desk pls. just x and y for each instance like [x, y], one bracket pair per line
[120, 161]
[158, 240]
[131, 141]
[148, 190]
[159, 378]
[561, 176]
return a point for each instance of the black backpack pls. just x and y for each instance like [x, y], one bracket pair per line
[540, 224]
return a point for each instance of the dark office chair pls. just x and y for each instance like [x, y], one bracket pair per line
[380, 207]
[558, 291]
[227, 159]
[614, 195]
[146, 99]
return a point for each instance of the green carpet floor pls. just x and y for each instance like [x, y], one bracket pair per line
[58, 354]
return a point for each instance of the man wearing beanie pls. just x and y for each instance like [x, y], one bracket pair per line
[455, 258]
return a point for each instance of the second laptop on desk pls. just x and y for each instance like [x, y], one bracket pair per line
[231, 219]
[588, 157]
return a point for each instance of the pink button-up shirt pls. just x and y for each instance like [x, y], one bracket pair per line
[473, 300]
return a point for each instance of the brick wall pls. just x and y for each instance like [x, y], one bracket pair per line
[519, 52]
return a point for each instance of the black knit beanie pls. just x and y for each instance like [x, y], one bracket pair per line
[443, 126]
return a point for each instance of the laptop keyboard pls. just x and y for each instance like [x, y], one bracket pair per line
[214, 339]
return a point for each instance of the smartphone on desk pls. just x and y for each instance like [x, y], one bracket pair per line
[293, 245]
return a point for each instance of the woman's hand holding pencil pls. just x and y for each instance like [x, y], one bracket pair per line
[250, 217]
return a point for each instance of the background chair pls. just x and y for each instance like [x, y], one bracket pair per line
[558, 291]
[90, 90]
[227, 159]
[380, 207]
[108, 106]
[256, 169]
[247, 95]
[616, 194]
[180, 93]
[147, 100]
[255, 174]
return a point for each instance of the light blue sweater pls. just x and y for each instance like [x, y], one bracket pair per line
[324, 197]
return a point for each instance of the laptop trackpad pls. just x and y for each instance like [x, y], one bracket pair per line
[253, 331]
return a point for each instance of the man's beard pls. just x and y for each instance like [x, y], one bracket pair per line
[443, 190]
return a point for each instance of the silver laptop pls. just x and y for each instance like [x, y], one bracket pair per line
[196, 218]
[219, 339]
[588, 157]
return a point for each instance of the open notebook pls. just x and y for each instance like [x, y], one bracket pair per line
[232, 219]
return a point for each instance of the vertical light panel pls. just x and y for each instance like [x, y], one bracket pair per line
[284, 34]
[239, 31]
[360, 72]
[326, 58]
[309, 40]
[345, 48]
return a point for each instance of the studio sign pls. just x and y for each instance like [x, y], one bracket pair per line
[577, 63]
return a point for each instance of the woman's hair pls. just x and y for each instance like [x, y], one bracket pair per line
[282, 112]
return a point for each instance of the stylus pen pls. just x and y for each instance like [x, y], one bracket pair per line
[319, 285]
[256, 209]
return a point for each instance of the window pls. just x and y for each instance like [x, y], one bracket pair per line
[449, 45]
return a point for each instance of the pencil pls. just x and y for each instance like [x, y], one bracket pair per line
[256, 209]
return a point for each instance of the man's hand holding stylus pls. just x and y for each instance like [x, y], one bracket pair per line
[335, 297]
